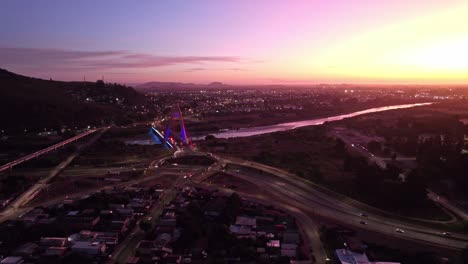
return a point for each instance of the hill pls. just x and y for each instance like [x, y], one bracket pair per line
[164, 86]
[31, 103]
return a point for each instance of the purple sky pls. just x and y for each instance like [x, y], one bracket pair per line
[241, 41]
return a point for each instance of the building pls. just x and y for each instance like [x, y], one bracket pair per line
[55, 251]
[246, 221]
[89, 248]
[12, 260]
[53, 242]
[26, 250]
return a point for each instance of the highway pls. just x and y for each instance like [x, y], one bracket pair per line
[382, 162]
[307, 222]
[302, 199]
[35, 189]
[305, 197]
[460, 212]
[36, 154]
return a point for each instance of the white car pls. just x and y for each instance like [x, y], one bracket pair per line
[398, 230]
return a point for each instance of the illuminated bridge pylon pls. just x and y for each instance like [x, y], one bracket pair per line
[176, 116]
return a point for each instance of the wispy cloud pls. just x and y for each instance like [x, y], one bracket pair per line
[98, 60]
[195, 70]
[237, 69]
[234, 69]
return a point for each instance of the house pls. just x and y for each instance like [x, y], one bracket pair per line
[34, 215]
[116, 206]
[110, 238]
[106, 212]
[26, 250]
[73, 213]
[161, 251]
[163, 238]
[274, 243]
[288, 250]
[121, 224]
[288, 253]
[145, 247]
[246, 221]
[240, 230]
[89, 248]
[290, 237]
[84, 235]
[12, 260]
[55, 251]
[81, 222]
[124, 211]
[53, 242]
[173, 259]
[168, 222]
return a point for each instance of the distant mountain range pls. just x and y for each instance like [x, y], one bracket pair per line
[160, 86]
[31, 103]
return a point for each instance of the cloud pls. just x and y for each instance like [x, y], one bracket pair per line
[215, 69]
[195, 69]
[237, 69]
[59, 59]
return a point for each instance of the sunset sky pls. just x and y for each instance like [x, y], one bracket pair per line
[239, 41]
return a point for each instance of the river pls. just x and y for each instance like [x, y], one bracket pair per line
[252, 131]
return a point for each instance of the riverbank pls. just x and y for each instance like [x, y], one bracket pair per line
[259, 130]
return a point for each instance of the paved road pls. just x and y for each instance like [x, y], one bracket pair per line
[382, 162]
[36, 154]
[127, 248]
[444, 202]
[306, 221]
[11, 210]
[309, 199]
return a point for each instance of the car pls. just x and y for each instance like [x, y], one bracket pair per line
[446, 234]
[399, 230]
[363, 223]
[362, 215]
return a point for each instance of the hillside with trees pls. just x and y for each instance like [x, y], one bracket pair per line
[36, 104]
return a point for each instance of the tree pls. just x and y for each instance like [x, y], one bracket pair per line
[233, 205]
[374, 146]
[100, 83]
[145, 225]
[392, 172]
[340, 146]
[368, 179]
[464, 255]
[210, 137]
[414, 189]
